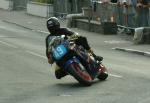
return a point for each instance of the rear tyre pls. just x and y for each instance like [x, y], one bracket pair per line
[80, 74]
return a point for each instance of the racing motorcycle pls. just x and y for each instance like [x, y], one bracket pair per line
[75, 60]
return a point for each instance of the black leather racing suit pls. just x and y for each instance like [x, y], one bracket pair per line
[64, 31]
[80, 41]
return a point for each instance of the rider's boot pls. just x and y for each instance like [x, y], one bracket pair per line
[99, 58]
[59, 73]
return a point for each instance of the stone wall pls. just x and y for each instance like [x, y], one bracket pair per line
[5, 4]
[40, 9]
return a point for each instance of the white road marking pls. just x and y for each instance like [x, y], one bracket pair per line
[43, 31]
[10, 45]
[12, 29]
[2, 27]
[114, 75]
[4, 36]
[65, 95]
[6, 28]
[36, 54]
[115, 42]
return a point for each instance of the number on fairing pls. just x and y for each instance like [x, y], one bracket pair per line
[59, 52]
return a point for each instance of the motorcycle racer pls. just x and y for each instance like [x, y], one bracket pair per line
[54, 28]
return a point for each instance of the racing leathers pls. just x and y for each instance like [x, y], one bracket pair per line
[81, 40]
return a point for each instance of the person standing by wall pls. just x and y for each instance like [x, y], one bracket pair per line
[129, 13]
[143, 13]
[114, 10]
[149, 14]
[120, 12]
[105, 15]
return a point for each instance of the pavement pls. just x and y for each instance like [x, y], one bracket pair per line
[38, 24]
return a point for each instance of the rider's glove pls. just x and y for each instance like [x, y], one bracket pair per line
[74, 36]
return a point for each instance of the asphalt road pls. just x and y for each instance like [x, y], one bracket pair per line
[26, 77]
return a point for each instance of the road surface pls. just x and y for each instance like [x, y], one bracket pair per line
[26, 77]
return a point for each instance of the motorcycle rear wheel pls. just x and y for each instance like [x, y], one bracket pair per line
[80, 74]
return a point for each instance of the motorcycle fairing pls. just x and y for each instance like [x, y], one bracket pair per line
[59, 52]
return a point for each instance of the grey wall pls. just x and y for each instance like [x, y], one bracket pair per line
[19, 4]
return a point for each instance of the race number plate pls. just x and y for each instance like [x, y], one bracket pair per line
[59, 52]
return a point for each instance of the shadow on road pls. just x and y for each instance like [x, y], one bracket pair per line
[76, 84]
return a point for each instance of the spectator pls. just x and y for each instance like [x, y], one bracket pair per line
[120, 12]
[94, 5]
[149, 14]
[134, 3]
[114, 11]
[105, 15]
[129, 13]
[143, 13]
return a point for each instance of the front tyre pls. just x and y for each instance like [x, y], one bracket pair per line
[79, 73]
[103, 73]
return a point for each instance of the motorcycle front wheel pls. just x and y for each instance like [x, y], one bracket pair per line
[79, 73]
[103, 72]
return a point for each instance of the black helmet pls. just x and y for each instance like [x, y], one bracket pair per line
[53, 24]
